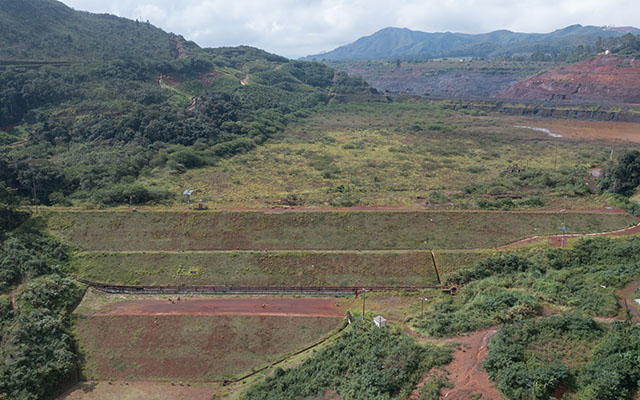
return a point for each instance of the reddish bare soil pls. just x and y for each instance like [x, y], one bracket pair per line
[178, 47]
[234, 306]
[465, 371]
[190, 347]
[141, 390]
[606, 79]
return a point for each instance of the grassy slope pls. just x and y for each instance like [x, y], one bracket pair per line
[259, 268]
[316, 268]
[354, 230]
[185, 347]
[189, 347]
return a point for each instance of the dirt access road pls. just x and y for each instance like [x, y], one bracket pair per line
[556, 240]
[228, 306]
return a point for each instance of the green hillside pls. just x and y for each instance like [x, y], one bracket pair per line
[406, 44]
[90, 103]
[49, 30]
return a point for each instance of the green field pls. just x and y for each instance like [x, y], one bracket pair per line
[339, 230]
[398, 155]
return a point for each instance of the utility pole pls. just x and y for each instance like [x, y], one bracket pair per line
[363, 302]
[35, 195]
[564, 228]
[422, 308]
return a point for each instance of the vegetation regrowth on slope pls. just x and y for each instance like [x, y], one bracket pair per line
[36, 356]
[534, 358]
[512, 287]
[366, 362]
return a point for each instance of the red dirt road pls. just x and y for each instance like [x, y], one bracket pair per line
[228, 306]
[465, 371]
[140, 390]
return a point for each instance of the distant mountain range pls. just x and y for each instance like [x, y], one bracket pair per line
[402, 43]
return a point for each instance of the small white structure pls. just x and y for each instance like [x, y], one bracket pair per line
[380, 321]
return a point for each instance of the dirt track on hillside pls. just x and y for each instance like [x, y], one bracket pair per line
[625, 299]
[228, 306]
[465, 371]
[556, 240]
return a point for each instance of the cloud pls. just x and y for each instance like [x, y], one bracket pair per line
[295, 28]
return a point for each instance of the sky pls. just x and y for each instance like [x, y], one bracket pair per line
[296, 28]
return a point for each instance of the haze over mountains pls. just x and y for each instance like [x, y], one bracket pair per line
[406, 44]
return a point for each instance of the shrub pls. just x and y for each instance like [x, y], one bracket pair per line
[364, 363]
[478, 305]
[511, 361]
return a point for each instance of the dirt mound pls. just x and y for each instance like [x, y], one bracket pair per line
[607, 79]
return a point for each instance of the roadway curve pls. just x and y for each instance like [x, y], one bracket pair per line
[556, 240]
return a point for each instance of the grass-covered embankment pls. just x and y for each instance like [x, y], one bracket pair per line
[332, 230]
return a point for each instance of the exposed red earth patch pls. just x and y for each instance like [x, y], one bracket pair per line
[142, 390]
[178, 46]
[190, 347]
[234, 306]
[465, 371]
[608, 79]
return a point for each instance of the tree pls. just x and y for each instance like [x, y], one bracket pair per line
[630, 42]
[621, 177]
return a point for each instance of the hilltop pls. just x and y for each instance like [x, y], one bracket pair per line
[402, 43]
[49, 30]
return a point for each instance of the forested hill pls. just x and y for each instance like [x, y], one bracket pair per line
[49, 30]
[405, 44]
[91, 105]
